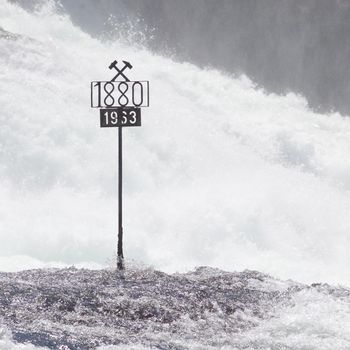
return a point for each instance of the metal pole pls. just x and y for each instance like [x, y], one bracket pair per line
[120, 261]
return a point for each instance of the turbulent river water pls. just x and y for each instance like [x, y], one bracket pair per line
[220, 174]
[143, 309]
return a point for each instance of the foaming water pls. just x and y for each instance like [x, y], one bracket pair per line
[219, 174]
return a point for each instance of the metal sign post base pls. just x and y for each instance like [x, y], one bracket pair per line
[120, 263]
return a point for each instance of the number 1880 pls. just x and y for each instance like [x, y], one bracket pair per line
[119, 94]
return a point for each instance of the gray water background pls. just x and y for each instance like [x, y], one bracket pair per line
[300, 46]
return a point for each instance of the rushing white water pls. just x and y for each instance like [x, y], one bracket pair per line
[220, 173]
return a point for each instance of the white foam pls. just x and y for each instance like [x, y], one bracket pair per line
[220, 173]
[314, 321]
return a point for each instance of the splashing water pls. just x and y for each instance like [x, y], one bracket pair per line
[71, 309]
[220, 173]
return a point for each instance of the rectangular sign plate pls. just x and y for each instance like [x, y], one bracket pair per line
[122, 116]
[110, 94]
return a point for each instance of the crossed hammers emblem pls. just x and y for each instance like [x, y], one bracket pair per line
[113, 65]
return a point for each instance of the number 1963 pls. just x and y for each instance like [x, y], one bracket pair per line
[122, 116]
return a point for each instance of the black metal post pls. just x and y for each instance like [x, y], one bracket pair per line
[120, 261]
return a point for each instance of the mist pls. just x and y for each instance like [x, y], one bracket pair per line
[221, 172]
[300, 46]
